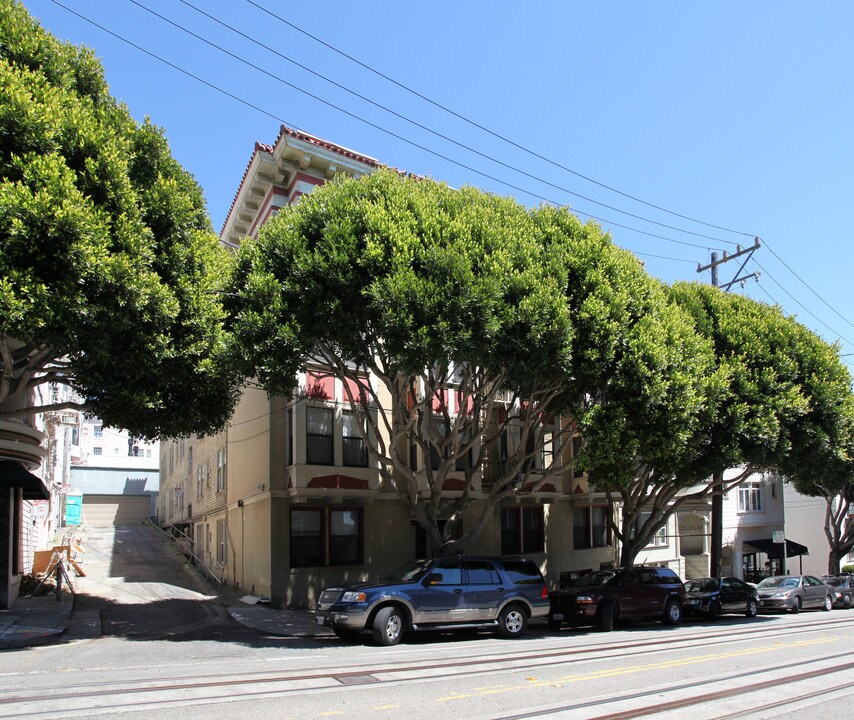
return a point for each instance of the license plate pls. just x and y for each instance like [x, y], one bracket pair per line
[319, 619]
[557, 616]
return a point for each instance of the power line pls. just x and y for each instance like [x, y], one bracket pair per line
[494, 134]
[401, 116]
[807, 286]
[354, 116]
[531, 152]
[662, 257]
[801, 305]
[444, 157]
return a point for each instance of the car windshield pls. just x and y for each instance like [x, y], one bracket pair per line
[836, 582]
[594, 578]
[411, 572]
[772, 582]
[706, 585]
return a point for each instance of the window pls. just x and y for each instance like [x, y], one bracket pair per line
[450, 572]
[318, 441]
[326, 536]
[547, 449]
[98, 430]
[750, 498]
[200, 480]
[522, 530]
[97, 451]
[590, 527]
[659, 539]
[353, 444]
[221, 470]
[221, 539]
[481, 572]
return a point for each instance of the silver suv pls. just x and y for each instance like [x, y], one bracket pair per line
[457, 592]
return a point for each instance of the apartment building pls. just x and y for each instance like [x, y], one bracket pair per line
[287, 499]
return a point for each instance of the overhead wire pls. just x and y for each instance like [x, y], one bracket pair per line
[808, 286]
[765, 273]
[405, 118]
[437, 154]
[529, 151]
[354, 116]
[483, 128]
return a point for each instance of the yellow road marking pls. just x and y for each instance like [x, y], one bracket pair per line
[613, 672]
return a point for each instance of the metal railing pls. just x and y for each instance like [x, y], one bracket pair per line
[186, 546]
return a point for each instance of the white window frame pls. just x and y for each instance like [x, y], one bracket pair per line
[221, 470]
[750, 497]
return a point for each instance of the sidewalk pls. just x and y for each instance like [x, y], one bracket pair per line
[35, 620]
[43, 619]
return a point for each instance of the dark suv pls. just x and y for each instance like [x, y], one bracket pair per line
[436, 594]
[626, 594]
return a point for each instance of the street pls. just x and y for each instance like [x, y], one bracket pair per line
[168, 650]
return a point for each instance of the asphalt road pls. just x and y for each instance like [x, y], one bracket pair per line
[171, 652]
[137, 587]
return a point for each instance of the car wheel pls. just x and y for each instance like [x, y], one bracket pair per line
[388, 626]
[714, 610]
[796, 605]
[606, 616]
[512, 621]
[672, 612]
[828, 603]
[846, 602]
[752, 609]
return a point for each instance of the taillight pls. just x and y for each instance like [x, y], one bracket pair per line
[544, 594]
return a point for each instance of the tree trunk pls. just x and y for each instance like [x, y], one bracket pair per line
[833, 558]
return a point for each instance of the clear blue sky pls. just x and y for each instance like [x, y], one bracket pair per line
[736, 114]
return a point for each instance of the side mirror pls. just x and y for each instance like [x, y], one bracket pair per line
[433, 579]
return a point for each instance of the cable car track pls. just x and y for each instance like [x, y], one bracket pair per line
[272, 683]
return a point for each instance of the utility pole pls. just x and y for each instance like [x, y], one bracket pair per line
[717, 531]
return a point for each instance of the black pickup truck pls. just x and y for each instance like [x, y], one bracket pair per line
[604, 597]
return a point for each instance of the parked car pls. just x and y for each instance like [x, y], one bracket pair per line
[714, 596]
[627, 594]
[794, 592]
[503, 593]
[843, 588]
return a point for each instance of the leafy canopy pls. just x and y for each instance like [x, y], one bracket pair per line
[109, 271]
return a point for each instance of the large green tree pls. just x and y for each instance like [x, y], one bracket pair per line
[786, 404]
[821, 463]
[109, 271]
[645, 381]
[423, 288]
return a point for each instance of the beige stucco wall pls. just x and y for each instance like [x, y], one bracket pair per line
[388, 545]
[249, 532]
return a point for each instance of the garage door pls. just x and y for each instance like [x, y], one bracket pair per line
[109, 510]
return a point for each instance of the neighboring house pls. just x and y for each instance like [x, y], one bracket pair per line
[116, 473]
[287, 501]
[755, 521]
[805, 522]
[682, 543]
